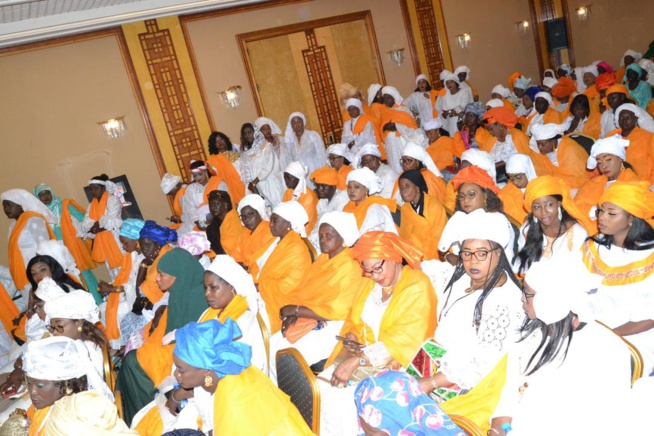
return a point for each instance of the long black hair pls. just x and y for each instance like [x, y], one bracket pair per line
[56, 270]
[533, 249]
[555, 339]
[503, 267]
[639, 237]
[213, 149]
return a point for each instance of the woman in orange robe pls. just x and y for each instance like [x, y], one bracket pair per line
[171, 186]
[472, 134]
[640, 153]
[256, 233]
[584, 117]
[340, 159]
[359, 128]
[371, 211]
[402, 302]
[520, 171]
[415, 157]
[279, 267]
[441, 148]
[396, 114]
[295, 177]
[501, 125]
[225, 172]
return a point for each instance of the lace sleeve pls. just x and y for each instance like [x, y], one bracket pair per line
[377, 354]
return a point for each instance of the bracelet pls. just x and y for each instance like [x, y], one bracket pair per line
[143, 265]
[172, 397]
[492, 430]
[433, 382]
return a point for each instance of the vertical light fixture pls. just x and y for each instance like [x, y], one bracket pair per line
[397, 56]
[522, 27]
[113, 127]
[583, 12]
[232, 96]
[464, 40]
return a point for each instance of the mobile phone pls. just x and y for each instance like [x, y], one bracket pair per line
[348, 341]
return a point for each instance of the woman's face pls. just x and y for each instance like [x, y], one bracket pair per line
[561, 72]
[519, 180]
[471, 197]
[462, 77]
[297, 125]
[200, 176]
[336, 161]
[528, 301]
[279, 226]
[325, 191]
[409, 191]
[129, 245]
[248, 135]
[610, 165]
[549, 74]
[433, 135]
[11, 209]
[579, 111]
[43, 393]
[149, 248]
[371, 162]
[541, 105]
[409, 163]
[96, 190]
[266, 131]
[291, 181]
[69, 328]
[628, 60]
[452, 86]
[353, 111]
[471, 120]
[218, 292]
[627, 120]
[383, 272]
[221, 145]
[632, 76]
[497, 130]
[188, 376]
[589, 79]
[45, 197]
[40, 271]
[471, 252]
[546, 145]
[615, 99]
[250, 218]
[388, 99]
[519, 92]
[422, 85]
[527, 102]
[356, 191]
[546, 210]
[330, 241]
[613, 220]
[218, 207]
[164, 281]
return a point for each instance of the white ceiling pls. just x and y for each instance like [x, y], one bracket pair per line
[23, 21]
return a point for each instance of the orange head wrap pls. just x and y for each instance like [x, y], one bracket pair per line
[513, 77]
[564, 88]
[604, 81]
[501, 115]
[549, 186]
[634, 197]
[387, 246]
[325, 176]
[620, 89]
[476, 175]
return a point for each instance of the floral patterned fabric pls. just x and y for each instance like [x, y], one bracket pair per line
[393, 402]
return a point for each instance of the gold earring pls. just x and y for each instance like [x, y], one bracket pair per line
[344, 245]
[79, 329]
[69, 391]
[622, 168]
[208, 381]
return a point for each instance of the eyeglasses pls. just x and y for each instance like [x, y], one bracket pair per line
[375, 271]
[59, 328]
[480, 255]
[470, 195]
[407, 161]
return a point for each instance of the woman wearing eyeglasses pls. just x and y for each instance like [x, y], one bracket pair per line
[519, 171]
[388, 323]
[372, 212]
[415, 157]
[256, 220]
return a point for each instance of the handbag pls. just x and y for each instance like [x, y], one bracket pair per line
[301, 327]
[426, 363]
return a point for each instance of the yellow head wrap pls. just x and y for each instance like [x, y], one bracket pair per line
[634, 197]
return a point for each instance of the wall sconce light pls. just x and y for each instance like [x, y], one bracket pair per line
[522, 27]
[397, 56]
[232, 96]
[583, 12]
[114, 127]
[464, 40]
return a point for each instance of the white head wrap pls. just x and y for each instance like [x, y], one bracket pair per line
[495, 102]
[354, 102]
[168, 182]
[551, 71]
[60, 253]
[480, 159]
[592, 69]
[59, 358]
[299, 170]
[49, 290]
[541, 132]
[257, 203]
[226, 268]
[262, 121]
[579, 73]
[29, 203]
[339, 150]
[195, 243]
[422, 77]
[501, 90]
[634, 54]
[110, 186]
[521, 164]
[433, 124]
[550, 82]
[627, 107]
[76, 304]
[86, 413]
[567, 68]
[289, 135]
[367, 178]
[451, 76]
[371, 149]
[344, 223]
[415, 151]
[614, 145]
[444, 74]
[478, 224]
[390, 90]
[648, 66]
[546, 96]
[522, 82]
[372, 92]
[294, 213]
[462, 69]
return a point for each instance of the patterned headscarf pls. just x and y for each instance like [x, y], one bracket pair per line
[159, 234]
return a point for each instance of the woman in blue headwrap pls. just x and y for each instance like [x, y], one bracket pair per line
[153, 241]
[231, 395]
[639, 89]
[69, 218]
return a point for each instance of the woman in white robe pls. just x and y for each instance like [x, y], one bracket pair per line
[353, 140]
[451, 106]
[303, 145]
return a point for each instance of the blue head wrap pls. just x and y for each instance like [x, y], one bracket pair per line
[159, 234]
[636, 68]
[392, 401]
[532, 91]
[210, 345]
[476, 108]
[131, 228]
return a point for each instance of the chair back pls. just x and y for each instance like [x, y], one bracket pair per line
[110, 379]
[265, 333]
[295, 379]
[468, 426]
[586, 142]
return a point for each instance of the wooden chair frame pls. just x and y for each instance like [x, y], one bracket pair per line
[110, 380]
[315, 389]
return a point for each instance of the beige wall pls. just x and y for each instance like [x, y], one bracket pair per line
[496, 50]
[50, 102]
[613, 27]
[220, 63]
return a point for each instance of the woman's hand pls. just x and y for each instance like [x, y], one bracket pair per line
[106, 288]
[175, 219]
[352, 344]
[13, 383]
[139, 304]
[344, 371]
[157, 317]
[176, 397]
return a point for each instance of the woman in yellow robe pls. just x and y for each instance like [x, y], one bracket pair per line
[422, 217]
[371, 211]
[387, 324]
[256, 232]
[441, 148]
[520, 171]
[279, 267]
[295, 177]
